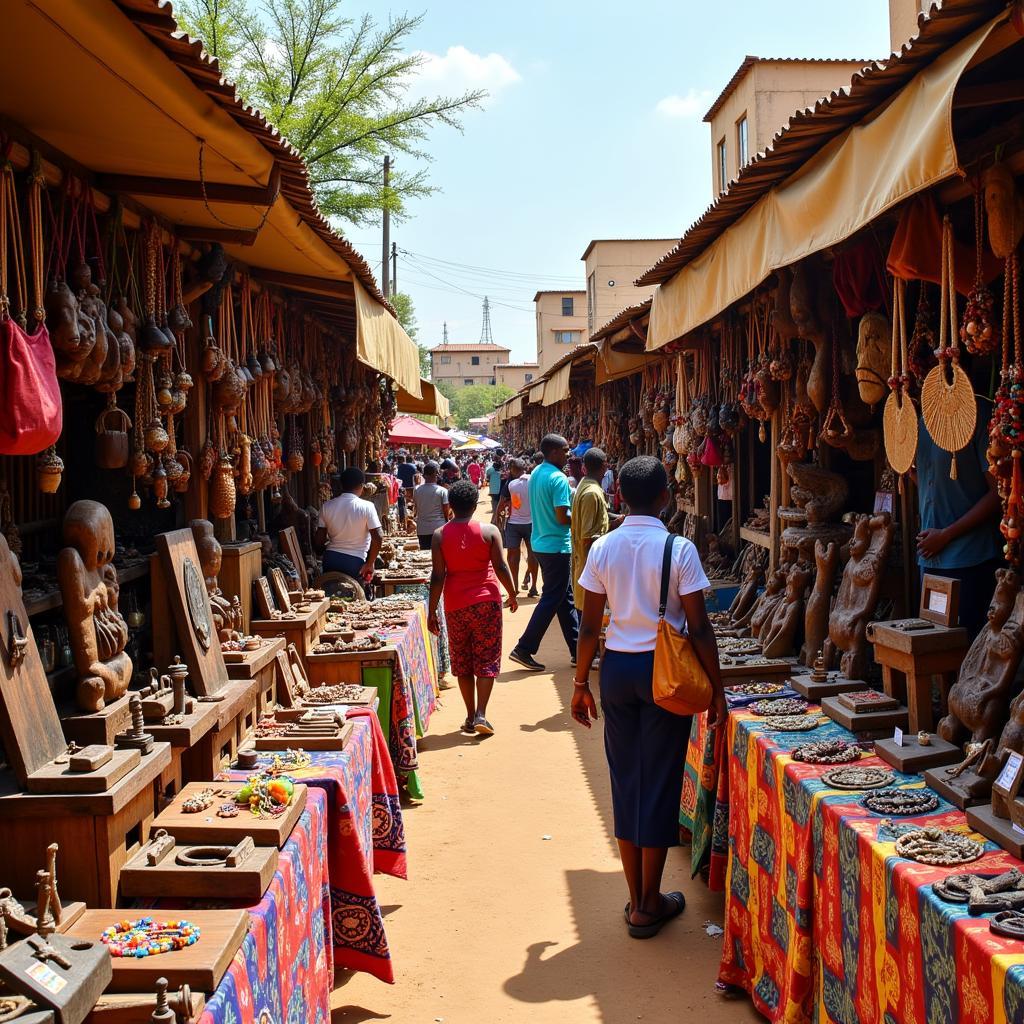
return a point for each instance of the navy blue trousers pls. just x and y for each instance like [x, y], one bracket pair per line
[555, 599]
[646, 750]
[337, 561]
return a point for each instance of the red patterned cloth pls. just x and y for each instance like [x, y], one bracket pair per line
[474, 639]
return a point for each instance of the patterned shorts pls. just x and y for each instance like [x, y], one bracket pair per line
[474, 639]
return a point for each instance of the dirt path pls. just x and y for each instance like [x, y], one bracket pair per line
[513, 908]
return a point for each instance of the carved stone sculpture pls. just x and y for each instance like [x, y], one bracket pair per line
[978, 700]
[778, 637]
[826, 558]
[858, 595]
[763, 611]
[227, 615]
[89, 589]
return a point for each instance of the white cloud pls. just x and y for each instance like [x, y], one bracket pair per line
[460, 70]
[693, 104]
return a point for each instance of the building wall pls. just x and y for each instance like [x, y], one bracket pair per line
[459, 368]
[516, 375]
[611, 268]
[903, 21]
[550, 319]
[769, 94]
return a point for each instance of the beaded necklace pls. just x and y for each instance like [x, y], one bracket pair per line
[146, 937]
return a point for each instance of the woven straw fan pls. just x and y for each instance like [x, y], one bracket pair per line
[947, 405]
[899, 418]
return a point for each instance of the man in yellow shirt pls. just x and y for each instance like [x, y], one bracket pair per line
[590, 517]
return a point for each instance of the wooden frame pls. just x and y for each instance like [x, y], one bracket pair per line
[288, 541]
[279, 586]
[940, 600]
[264, 598]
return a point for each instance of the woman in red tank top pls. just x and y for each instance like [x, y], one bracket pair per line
[468, 563]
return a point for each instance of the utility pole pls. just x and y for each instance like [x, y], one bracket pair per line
[386, 260]
[394, 267]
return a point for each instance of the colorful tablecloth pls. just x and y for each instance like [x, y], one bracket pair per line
[825, 923]
[284, 969]
[365, 833]
[439, 643]
[704, 806]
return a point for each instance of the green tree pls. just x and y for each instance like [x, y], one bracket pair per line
[474, 400]
[402, 302]
[337, 89]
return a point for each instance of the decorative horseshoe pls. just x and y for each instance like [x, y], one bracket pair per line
[17, 646]
[203, 856]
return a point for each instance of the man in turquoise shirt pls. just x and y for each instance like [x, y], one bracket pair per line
[550, 501]
[494, 482]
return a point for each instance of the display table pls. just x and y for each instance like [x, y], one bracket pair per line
[824, 922]
[365, 833]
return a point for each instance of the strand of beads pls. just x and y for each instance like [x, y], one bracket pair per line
[146, 937]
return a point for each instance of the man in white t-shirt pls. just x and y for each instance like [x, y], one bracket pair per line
[350, 529]
[515, 496]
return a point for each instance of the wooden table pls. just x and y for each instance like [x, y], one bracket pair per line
[302, 629]
[260, 666]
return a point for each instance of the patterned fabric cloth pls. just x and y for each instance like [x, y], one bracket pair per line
[825, 923]
[474, 637]
[439, 643]
[284, 969]
[365, 833]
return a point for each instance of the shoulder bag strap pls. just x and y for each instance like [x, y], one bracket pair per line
[666, 574]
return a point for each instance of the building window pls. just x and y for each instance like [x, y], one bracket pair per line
[741, 141]
[567, 337]
[493, 381]
[444, 359]
[528, 377]
[567, 306]
[475, 360]
[723, 166]
[467, 380]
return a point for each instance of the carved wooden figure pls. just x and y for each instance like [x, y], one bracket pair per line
[227, 614]
[753, 577]
[779, 635]
[774, 592]
[804, 304]
[858, 595]
[826, 558]
[89, 589]
[978, 700]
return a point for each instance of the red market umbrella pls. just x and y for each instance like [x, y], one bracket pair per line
[409, 430]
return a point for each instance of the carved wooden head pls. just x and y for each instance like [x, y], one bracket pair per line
[1007, 585]
[89, 529]
[1004, 206]
[208, 547]
[874, 358]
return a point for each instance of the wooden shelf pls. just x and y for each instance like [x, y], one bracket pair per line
[52, 601]
[758, 537]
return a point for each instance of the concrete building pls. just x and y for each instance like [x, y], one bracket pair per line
[761, 97]
[903, 20]
[561, 325]
[612, 265]
[461, 365]
[516, 375]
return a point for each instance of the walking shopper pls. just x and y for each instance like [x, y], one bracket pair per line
[494, 483]
[645, 744]
[590, 519]
[468, 563]
[350, 528]
[475, 471]
[515, 497]
[550, 501]
[432, 510]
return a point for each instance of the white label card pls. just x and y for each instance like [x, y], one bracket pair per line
[1018, 829]
[46, 976]
[937, 601]
[897, 736]
[883, 501]
[1010, 770]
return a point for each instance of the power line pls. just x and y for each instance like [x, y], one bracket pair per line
[465, 291]
[474, 270]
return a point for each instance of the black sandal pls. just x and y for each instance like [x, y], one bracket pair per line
[677, 904]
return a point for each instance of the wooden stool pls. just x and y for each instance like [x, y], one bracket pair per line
[911, 657]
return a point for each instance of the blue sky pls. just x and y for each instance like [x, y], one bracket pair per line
[593, 130]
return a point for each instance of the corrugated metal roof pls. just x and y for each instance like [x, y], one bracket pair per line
[749, 61]
[155, 20]
[809, 130]
[470, 348]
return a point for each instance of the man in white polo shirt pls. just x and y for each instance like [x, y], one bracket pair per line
[350, 528]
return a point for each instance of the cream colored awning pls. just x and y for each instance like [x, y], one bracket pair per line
[905, 148]
[612, 364]
[515, 407]
[556, 387]
[536, 393]
[432, 402]
[383, 345]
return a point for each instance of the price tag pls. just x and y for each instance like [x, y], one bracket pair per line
[883, 501]
[938, 601]
[897, 736]
[1010, 770]
[47, 977]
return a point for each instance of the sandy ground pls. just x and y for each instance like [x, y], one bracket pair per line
[513, 907]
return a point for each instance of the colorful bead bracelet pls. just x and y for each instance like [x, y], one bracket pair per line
[147, 937]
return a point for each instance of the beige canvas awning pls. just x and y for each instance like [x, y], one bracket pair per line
[515, 407]
[383, 345]
[904, 148]
[556, 387]
[536, 393]
[431, 402]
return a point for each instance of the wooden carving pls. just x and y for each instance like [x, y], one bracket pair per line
[818, 491]
[763, 611]
[778, 637]
[826, 558]
[874, 348]
[979, 699]
[227, 615]
[753, 577]
[1004, 207]
[804, 310]
[858, 595]
[89, 589]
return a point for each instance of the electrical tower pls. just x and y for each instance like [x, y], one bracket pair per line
[444, 340]
[486, 337]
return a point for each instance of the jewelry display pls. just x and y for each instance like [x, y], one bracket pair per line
[793, 723]
[197, 803]
[938, 847]
[901, 802]
[267, 795]
[1009, 924]
[983, 893]
[338, 693]
[289, 761]
[754, 689]
[858, 778]
[146, 937]
[827, 752]
[738, 645]
[363, 644]
[779, 706]
[227, 810]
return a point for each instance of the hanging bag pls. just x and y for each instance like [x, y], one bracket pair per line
[30, 404]
[680, 684]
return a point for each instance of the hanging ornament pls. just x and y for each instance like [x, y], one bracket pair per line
[49, 469]
[899, 418]
[979, 332]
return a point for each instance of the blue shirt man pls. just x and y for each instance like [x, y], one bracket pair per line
[549, 489]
